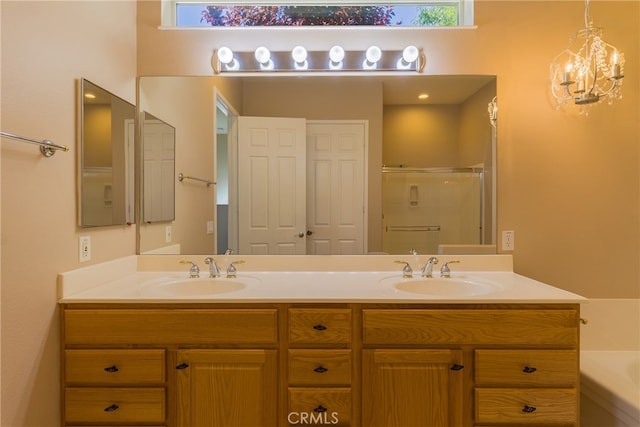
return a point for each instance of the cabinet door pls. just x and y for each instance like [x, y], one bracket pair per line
[412, 388]
[226, 388]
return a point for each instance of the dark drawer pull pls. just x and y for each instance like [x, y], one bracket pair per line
[319, 327]
[529, 370]
[111, 369]
[182, 366]
[320, 409]
[321, 369]
[528, 409]
[456, 367]
[111, 408]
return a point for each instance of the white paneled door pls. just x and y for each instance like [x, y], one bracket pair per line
[301, 186]
[271, 186]
[336, 187]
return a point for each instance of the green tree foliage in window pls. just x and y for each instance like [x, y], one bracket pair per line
[438, 15]
[243, 16]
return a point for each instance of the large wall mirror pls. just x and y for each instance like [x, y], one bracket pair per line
[105, 157]
[372, 168]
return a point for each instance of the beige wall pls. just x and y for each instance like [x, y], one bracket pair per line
[46, 47]
[569, 186]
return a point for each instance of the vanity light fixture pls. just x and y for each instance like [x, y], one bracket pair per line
[225, 55]
[336, 59]
[263, 56]
[409, 56]
[299, 55]
[492, 109]
[592, 71]
[371, 58]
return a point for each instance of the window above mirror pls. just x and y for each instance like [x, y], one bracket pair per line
[332, 13]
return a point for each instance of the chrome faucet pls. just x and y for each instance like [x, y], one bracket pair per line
[194, 270]
[406, 270]
[445, 271]
[232, 270]
[214, 270]
[427, 270]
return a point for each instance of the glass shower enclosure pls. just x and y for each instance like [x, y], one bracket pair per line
[423, 208]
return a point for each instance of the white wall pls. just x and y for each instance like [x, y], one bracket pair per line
[46, 47]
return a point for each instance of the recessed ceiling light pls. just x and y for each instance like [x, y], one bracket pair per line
[423, 96]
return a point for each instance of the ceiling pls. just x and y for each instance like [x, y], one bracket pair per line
[404, 89]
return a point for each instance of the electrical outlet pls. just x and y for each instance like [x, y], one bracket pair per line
[84, 247]
[508, 240]
[209, 227]
[167, 234]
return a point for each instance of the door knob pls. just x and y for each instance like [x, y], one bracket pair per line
[300, 234]
[309, 232]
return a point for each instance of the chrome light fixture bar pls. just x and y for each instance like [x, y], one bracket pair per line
[334, 59]
[589, 73]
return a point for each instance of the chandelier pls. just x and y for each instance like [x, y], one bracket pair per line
[590, 72]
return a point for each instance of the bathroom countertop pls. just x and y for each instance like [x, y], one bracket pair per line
[374, 279]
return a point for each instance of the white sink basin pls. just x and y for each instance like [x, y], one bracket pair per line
[444, 287]
[200, 286]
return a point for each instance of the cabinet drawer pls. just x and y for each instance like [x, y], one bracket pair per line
[170, 326]
[114, 367]
[470, 326]
[320, 405]
[526, 367]
[111, 406]
[527, 406]
[319, 367]
[319, 326]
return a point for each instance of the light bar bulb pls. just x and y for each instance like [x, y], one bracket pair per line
[299, 55]
[263, 56]
[372, 56]
[336, 56]
[225, 55]
[410, 54]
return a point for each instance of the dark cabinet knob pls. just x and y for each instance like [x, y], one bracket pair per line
[320, 408]
[528, 409]
[111, 408]
[529, 369]
[111, 369]
[182, 366]
[321, 369]
[456, 367]
[319, 327]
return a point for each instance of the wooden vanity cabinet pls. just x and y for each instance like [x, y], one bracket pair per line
[494, 366]
[169, 366]
[319, 366]
[358, 365]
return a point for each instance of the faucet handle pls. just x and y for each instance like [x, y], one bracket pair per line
[232, 270]
[194, 270]
[445, 271]
[406, 270]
